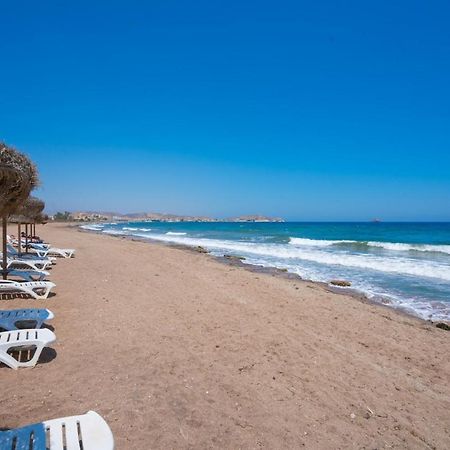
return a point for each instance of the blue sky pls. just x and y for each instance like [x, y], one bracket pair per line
[324, 111]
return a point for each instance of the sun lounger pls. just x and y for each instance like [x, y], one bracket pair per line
[52, 251]
[41, 251]
[33, 264]
[85, 432]
[26, 345]
[28, 275]
[23, 241]
[15, 319]
[36, 289]
[39, 246]
[14, 254]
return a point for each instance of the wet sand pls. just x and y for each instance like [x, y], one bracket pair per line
[176, 350]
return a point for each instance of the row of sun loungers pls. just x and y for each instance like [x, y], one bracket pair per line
[21, 345]
[44, 250]
[22, 328]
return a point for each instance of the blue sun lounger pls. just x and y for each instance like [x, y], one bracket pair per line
[87, 432]
[15, 319]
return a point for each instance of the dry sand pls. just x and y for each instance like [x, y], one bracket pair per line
[176, 350]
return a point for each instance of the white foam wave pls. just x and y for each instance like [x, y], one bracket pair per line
[92, 227]
[114, 232]
[400, 265]
[175, 233]
[398, 246]
[316, 242]
[394, 246]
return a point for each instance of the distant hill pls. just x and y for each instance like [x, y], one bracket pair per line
[255, 218]
[90, 216]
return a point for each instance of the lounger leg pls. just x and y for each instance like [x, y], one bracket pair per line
[8, 359]
[33, 361]
[14, 363]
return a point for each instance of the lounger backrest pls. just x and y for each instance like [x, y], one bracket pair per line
[86, 432]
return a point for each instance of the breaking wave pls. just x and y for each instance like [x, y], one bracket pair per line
[92, 227]
[394, 246]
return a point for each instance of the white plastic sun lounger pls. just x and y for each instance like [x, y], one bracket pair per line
[23, 241]
[85, 432]
[36, 289]
[14, 254]
[41, 251]
[33, 264]
[53, 251]
[15, 319]
[22, 343]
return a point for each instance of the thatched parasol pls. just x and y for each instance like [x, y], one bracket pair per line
[28, 213]
[18, 176]
[31, 209]
[19, 220]
[42, 219]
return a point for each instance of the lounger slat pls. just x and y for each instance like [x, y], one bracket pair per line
[6, 441]
[56, 436]
[72, 435]
[20, 438]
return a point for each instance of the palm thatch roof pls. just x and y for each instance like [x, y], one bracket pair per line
[42, 218]
[18, 218]
[18, 176]
[29, 212]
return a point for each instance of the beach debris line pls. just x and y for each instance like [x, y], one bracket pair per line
[234, 257]
[341, 283]
[443, 326]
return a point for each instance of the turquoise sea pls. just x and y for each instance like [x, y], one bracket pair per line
[406, 265]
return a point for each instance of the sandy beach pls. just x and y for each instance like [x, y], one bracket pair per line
[177, 350]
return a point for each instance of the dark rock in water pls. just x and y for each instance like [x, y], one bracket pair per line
[241, 258]
[282, 270]
[201, 249]
[443, 326]
[342, 283]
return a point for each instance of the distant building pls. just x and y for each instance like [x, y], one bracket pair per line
[89, 217]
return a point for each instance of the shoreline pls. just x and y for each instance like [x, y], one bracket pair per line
[272, 270]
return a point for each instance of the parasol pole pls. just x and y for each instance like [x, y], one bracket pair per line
[5, 256]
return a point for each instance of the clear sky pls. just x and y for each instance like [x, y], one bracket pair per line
[306, 110]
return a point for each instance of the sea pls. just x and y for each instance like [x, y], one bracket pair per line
[403, 265]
